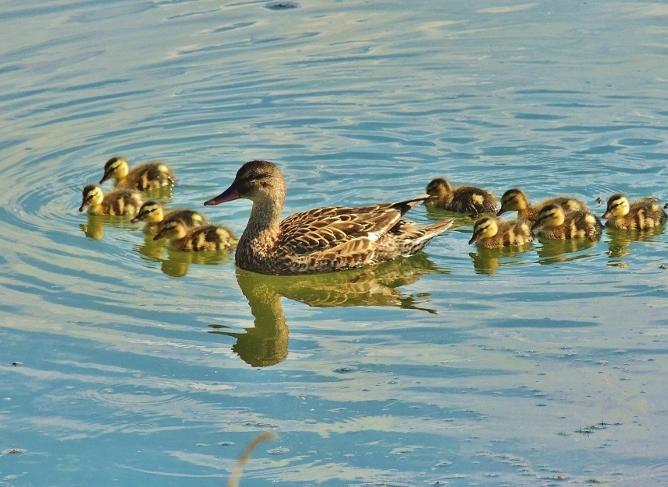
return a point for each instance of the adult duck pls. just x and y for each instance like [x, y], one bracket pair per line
[321, 239]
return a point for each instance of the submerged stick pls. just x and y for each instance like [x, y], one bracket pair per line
[245, 455]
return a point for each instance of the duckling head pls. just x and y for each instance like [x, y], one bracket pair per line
[258, 181]
[549, 216]
[91, 195]
[484, 227]
[116, 167]
[151, 211]
[172, 230]
[439, 188]
[618, 205]
[513, 199]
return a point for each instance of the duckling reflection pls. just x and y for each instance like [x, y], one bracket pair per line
[177, 263]
[621, 240]
[267, 342]
[487, 261]
[556, 251]
[95, 226]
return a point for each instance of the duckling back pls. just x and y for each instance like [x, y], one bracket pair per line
[149, 176]
[122, 202]
[190, 218]
[208, 238]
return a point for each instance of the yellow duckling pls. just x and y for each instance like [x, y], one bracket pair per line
[554, 223]
[491, 233]
[516, 199]
[121, 202]
[464, 199]
[145, 177]
[203, 239]
[155, 217]
[642, 214]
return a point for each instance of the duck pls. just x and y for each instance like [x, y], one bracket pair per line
[145, 177]
[491, 233]
[642, 214]
[121, 202]
[320, 239]
[154, 215]
[516, 199]
[208, 238]
[553, 222]
[463, 199]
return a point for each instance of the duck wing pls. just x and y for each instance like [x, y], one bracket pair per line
[341, 229]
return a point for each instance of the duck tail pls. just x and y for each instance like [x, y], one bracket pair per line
[406, 238]
[404, 206]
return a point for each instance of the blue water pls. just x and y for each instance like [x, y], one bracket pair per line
[139, 367]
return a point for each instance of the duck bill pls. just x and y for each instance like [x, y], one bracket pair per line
[474, 238]
[138, 218]
[83, 207]
[606, 215]
[158, 236]
[500, 212]
[536, 225]
[229, 194]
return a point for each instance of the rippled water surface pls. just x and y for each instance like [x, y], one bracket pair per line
[123, 364]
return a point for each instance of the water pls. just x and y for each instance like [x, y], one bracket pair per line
[138, 367]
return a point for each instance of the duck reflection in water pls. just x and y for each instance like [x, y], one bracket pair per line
[177, 263]
[95, 225]
[266, 343]
[556, 251]
[487, 261]
[621, 240]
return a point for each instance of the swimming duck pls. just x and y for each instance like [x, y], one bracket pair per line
[642, 214]
[516, 199]
[553, 222]
[208, 238]
[121, 202]
[464, 199]
[321, 239]
[145, 177]
[154, 215]
[492, 233]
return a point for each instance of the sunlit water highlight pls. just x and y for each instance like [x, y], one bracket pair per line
[135, 366]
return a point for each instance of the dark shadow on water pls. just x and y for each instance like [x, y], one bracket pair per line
[488, 261]
[620, 241]
[267, 342]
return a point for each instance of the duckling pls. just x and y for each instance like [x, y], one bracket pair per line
[464, 199]
[155, 217]
[491, 233]
[145, 177]
[554, 223]
[516, 199]
[201, 239]
[642, 214]
[121, 202]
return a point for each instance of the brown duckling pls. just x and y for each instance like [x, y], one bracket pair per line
[492, 233]
[516, 199]
[642, 214]
[121, 202]
[554, 223]
[202, 239]
[145, 177]
[155, 217]
[464, 199]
